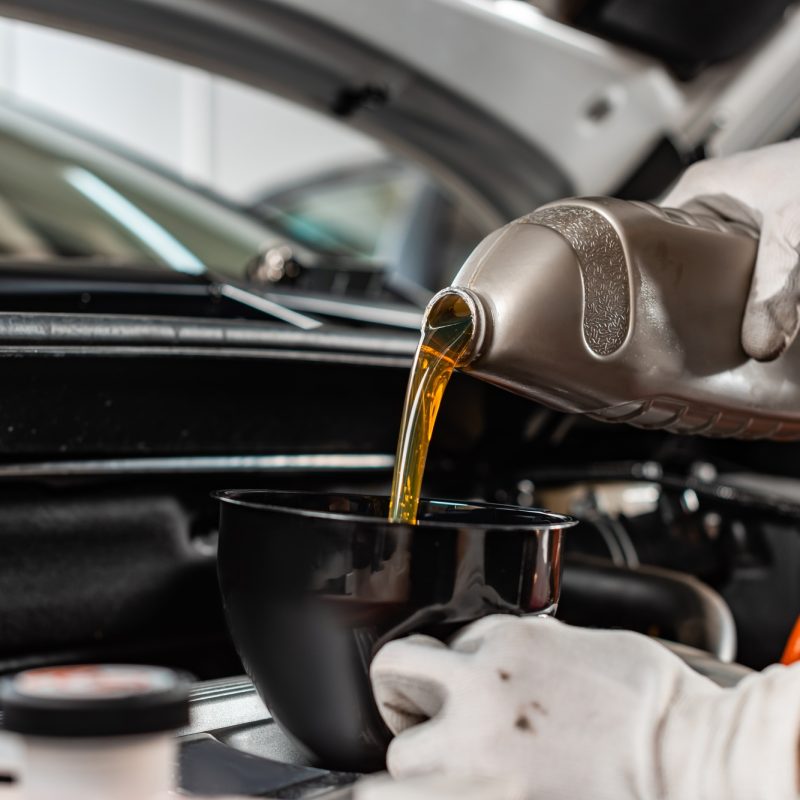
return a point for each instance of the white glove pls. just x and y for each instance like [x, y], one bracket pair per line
[760, 188]
[577, 713]
[441, 787]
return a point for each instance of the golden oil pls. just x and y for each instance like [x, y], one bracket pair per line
[445, 344]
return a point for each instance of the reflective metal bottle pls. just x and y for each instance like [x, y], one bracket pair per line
[627, 312]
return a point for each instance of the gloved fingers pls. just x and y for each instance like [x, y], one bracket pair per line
[442, 787]
[420, 750]
[410, 678]
[546, 650]
[741, 176]
[722, 206]
[701, 178]
[771, 316]
[769, 328]
[778, 252]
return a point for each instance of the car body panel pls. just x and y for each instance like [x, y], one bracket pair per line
[490, 166]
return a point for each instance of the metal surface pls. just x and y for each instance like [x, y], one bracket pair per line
[735, 532]
[683, 608]
[193, 465]
[20, 329]
[540, 77]
[224, 704]
[547, 334]
[747, 114]
[547, 80]
[191, 353]
[230, 711]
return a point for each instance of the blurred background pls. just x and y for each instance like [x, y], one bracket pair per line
[322, 183]
[207, 129]
[553, 97]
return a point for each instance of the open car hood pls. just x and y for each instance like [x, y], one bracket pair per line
[517, 109]
[308, 60]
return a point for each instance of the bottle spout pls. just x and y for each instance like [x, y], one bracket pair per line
[457, 306]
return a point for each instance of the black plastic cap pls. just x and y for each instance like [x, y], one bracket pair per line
[95, 700]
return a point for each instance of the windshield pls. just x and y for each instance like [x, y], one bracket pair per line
[353, 210]
[63, 197]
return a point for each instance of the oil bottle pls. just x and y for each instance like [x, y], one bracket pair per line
[626, 312]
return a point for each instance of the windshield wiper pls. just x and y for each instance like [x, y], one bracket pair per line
[253, 299]
[86, 280]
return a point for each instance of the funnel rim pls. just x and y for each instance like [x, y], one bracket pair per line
[540, 519]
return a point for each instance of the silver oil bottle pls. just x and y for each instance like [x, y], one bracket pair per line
[627, 312]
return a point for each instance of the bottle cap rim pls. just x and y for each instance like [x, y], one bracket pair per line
[95, 700]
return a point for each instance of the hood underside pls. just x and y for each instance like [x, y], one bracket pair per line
[269, 46]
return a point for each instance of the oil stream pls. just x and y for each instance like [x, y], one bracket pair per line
[447, 333]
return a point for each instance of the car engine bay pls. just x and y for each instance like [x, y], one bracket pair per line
[170, 345]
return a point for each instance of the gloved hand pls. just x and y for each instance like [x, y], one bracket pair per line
[760, 188]
[441, 787]
[606, 715]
